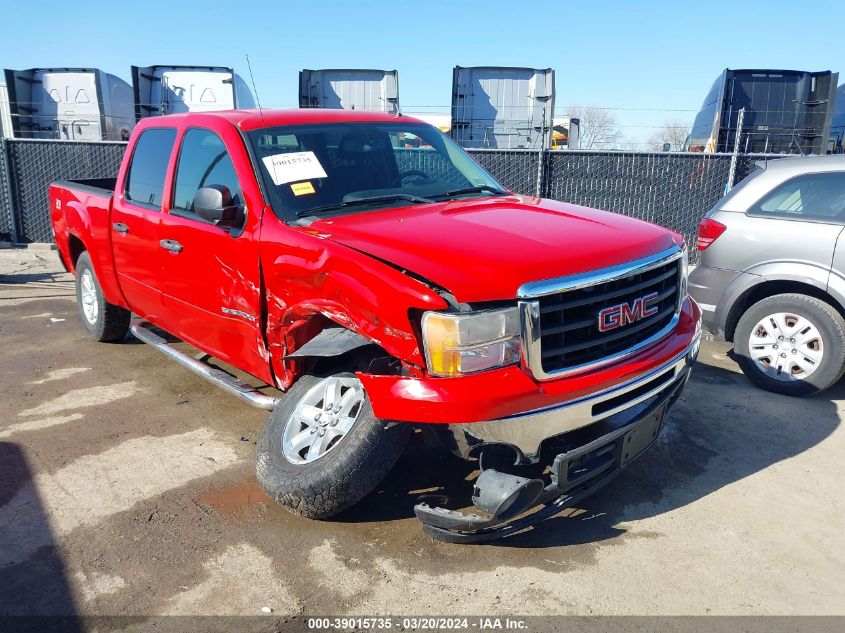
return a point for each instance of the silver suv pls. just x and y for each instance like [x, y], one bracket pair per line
[772, 273]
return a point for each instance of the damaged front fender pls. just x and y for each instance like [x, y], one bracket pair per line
[313, 283]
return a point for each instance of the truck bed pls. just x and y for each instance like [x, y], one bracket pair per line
[82, 207]
[99, 186]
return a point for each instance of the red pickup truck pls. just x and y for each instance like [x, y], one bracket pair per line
[366, 266]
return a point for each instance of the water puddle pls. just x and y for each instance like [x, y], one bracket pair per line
[244, 502]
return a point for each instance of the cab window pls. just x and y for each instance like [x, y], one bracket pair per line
[203, 161]
[145, 182]
[808, 197]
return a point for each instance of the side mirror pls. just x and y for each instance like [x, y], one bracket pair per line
[214, 204]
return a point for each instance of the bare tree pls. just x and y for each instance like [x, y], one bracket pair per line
[598, 127]
[673, 132]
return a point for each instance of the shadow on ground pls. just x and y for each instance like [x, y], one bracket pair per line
[27, 278]
[720, 432]
[23, 522]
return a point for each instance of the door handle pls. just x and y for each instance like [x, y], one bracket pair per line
[120, 227]
[171, 245]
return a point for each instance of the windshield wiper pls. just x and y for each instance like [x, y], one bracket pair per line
[359, 201]
[479, 189]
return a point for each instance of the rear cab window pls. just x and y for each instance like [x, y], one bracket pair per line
[148, 169]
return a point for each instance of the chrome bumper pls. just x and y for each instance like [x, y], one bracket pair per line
[526, 431]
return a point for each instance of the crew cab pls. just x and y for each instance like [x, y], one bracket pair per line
[367, 267]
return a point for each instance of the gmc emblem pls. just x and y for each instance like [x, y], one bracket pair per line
[625, 313]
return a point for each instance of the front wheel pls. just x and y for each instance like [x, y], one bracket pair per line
[323, 450]
[791, 344]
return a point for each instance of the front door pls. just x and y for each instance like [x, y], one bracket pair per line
[135, 218]
[210, 275]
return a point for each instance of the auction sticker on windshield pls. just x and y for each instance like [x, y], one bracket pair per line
[302, 188]
[293, 167]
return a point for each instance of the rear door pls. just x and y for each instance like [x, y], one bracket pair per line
[135, 218]
[796, 224]
[211, 282]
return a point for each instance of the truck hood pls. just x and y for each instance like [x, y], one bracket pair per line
[485, 248]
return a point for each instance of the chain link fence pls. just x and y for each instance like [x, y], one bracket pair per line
[674, 190]
[34, 164]
[6, 226]
[521, 171]
[671, 189]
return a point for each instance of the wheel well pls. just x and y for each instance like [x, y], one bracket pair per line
[769, 289]
[369, 359]
[337, 352]
[75, 248]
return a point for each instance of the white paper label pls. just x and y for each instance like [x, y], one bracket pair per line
[293, 167]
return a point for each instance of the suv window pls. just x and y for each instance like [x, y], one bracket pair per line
[148, 168]
[810, 197]
[203, 161]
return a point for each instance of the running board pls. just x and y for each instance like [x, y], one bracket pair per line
[218, 377]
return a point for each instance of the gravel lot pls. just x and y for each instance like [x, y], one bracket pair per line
[126, 487]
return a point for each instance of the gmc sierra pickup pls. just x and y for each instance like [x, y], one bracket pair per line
[366, 266]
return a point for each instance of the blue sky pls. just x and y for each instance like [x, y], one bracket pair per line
[649, 61]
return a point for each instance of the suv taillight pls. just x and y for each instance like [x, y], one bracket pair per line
[708, 232]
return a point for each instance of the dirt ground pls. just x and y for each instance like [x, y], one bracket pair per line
[127, 487]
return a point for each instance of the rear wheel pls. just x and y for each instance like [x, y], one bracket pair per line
[323, 450]
[102, 320]
[791, 344]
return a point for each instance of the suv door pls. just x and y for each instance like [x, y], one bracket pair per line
[798, 222]
[211, 282]
[135, 217]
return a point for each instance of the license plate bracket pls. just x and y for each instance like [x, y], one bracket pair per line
[639, 438]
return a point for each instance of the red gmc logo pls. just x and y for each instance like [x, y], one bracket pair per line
[626, 313]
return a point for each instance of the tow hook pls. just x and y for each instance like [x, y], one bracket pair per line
[504, 495]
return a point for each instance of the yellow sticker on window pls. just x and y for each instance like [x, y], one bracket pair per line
[302, 188]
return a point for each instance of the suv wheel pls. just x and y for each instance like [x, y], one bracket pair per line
[791, 344]
[323, 450]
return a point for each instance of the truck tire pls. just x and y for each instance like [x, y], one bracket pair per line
[792, 344]
[102, 320]
[323, 450]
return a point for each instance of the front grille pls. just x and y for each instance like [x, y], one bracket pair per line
[569, 320]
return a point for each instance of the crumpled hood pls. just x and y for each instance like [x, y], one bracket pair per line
[484, 249]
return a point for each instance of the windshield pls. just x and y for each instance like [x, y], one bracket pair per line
[352, 167]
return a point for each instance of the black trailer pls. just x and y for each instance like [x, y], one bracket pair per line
[786, 112]
[836, 145]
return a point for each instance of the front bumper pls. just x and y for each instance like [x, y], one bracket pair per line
[594, 456]
[526, 431]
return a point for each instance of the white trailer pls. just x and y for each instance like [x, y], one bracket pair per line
[350, 89]
[168, 89]
[5, 113]
[502, 107]
[69, 104]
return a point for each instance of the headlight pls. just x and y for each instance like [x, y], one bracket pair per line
[457, 344]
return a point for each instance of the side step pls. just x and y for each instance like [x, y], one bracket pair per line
[218, 377]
